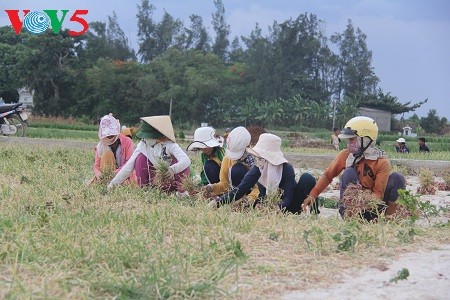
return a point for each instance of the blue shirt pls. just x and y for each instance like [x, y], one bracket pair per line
[287, 184]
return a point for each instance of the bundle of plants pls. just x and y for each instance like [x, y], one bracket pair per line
[444, 186]
[359, 202]
[107, 175]
[427, 183]
[270, 202]
[163, 179]
[191, 185]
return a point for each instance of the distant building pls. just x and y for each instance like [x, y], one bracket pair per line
[407, 131]
[382, 117]
[26, 96]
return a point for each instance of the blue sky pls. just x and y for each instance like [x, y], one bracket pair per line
[410, 39]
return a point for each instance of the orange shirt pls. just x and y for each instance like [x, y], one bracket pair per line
[373, 174]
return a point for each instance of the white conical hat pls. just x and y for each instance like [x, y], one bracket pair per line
[163, 124]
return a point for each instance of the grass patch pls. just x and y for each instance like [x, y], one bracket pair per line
[63, 239]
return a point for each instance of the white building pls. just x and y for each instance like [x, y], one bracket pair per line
[26, 96]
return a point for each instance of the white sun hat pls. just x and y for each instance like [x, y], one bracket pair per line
[269, 148]
[163, 124]
[204, 137]
[237, 141]
[401, 140]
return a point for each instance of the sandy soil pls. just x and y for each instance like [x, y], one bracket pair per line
[429, 278]
[429, 272]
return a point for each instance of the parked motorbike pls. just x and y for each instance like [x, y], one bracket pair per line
[13, 119]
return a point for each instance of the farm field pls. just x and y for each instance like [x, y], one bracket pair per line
[64, 239]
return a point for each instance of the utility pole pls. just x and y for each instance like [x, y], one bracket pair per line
[334, 113]
[170, 109]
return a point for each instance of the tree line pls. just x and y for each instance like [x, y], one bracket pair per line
[290, 76]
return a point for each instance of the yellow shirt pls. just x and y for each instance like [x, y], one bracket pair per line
[224, 184]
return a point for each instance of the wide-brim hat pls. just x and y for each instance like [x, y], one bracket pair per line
[401, 140]
[163, 124]
[237, 141]
[204, 137]
[269, 148]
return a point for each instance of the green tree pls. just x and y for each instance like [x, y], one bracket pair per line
[433, 124]
[270, 112]
[196, 36]
[117, 42]
[356, 74]
[222, 30]
[146, 31]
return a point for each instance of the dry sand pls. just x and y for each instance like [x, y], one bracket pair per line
[429, 271]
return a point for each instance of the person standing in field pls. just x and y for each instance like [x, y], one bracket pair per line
[113, 151]
[422, 146]
[362, 163]
[335, 140]
[157, 153]
[206, 140]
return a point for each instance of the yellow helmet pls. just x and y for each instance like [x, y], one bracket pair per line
[360, 126]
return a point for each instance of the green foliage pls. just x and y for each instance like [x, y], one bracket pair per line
[403, 274]
[433, 124]
[314, 238]
[347, 239]
[416, 207]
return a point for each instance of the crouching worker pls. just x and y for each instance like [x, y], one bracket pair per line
[158, 160]
[363, 164]
[236, 163]
[273, 173]
[112, 152]
[206, 140]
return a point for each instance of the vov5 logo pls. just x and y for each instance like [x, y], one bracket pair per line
[37, 22]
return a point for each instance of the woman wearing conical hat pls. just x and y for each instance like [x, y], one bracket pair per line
[158, 146]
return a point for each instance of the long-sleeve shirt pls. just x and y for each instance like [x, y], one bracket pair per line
[161, 151]
[373, 174]
[126, 151]
[224, 184]
[217, 156]
[287, 185]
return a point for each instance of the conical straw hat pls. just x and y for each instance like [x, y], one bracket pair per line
[163, 124]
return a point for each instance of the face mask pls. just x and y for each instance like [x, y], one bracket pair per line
[151, 142]
[354, 146]
[259, 162]
[107, 141]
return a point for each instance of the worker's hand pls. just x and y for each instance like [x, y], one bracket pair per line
[169, 175]
[207, 190]
[110, 187]
[308, 202]
[213, 204]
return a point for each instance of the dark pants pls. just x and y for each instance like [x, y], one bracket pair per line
[302, 189]
[212, 171]
[395, 182]
[237, 173]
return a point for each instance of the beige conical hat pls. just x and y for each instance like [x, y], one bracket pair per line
[163, 124]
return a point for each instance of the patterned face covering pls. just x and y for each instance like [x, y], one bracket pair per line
[354, 145]
[109, 130]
